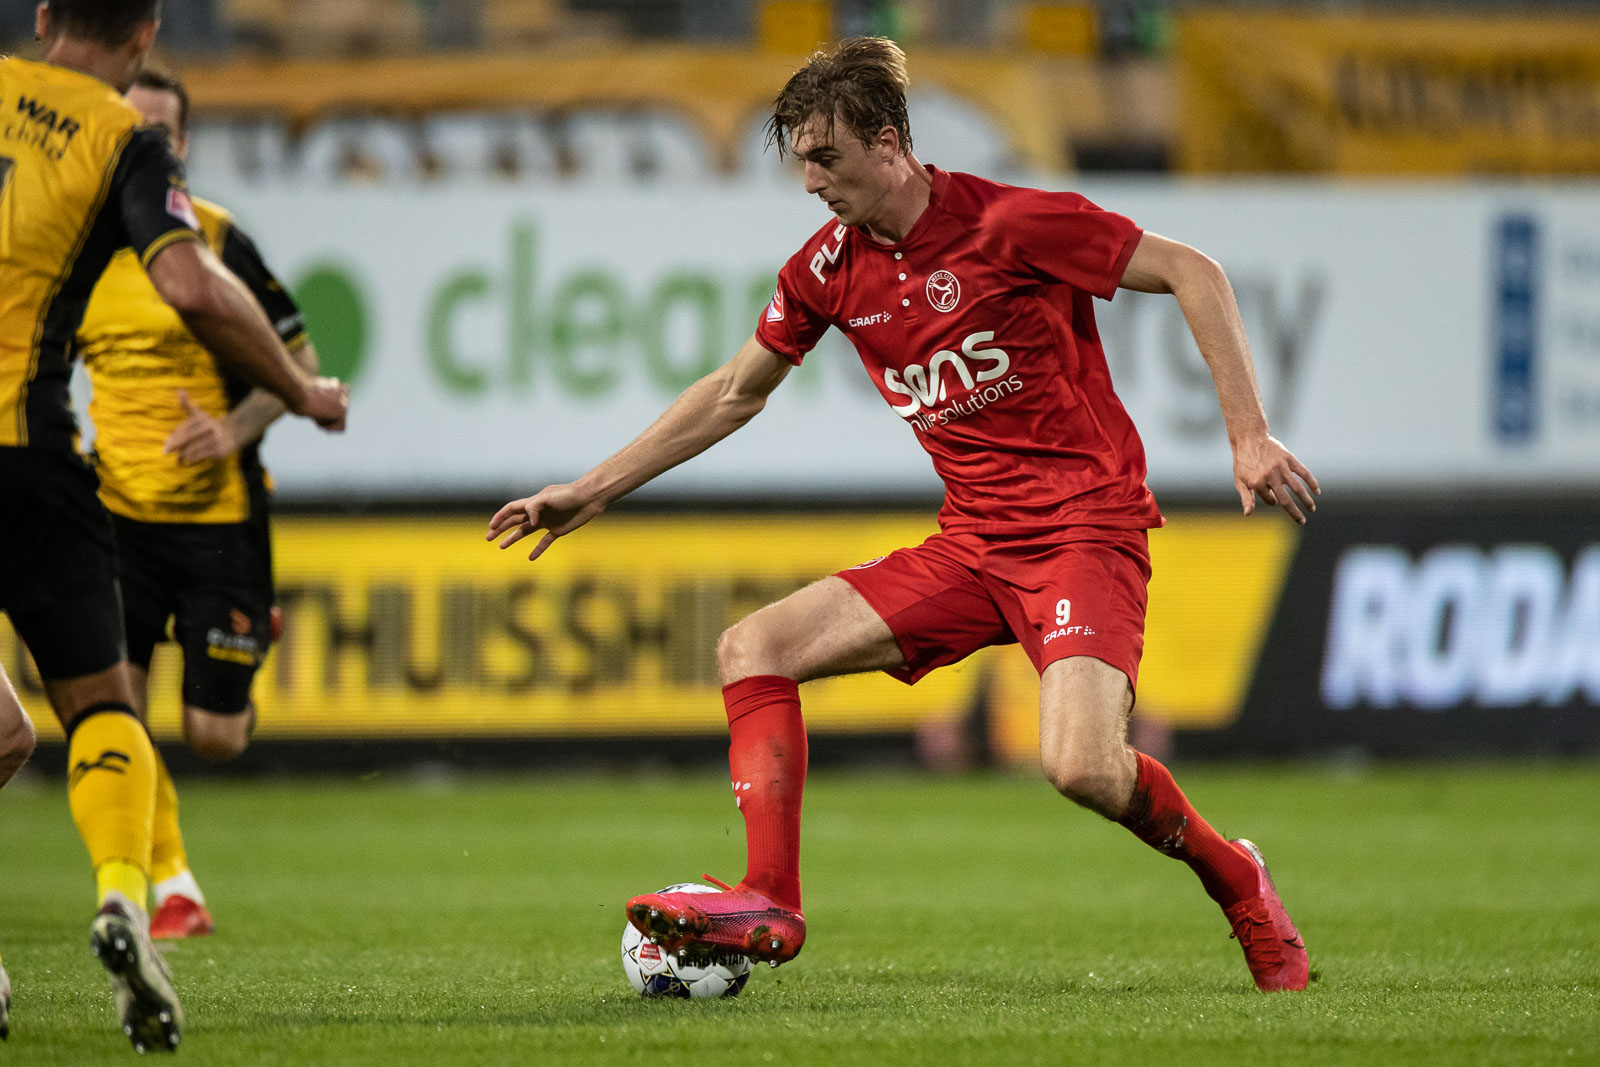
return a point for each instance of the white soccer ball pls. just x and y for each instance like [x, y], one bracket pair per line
[704, 971]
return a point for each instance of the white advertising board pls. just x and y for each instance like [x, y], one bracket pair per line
[1406, 337]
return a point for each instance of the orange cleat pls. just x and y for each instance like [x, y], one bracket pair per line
[737, 918]
[1273, 948]
[179, 917]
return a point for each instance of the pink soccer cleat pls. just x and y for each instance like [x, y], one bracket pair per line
[179, 917]
[738, 918]
[1273, 948]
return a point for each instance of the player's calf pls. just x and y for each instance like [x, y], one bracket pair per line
[217, 737]
[16, 732]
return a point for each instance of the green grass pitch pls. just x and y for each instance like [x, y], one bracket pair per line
[1453, 917]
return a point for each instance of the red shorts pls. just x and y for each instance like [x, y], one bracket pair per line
[1079, 593]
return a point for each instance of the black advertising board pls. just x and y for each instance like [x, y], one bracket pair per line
[1446, 629]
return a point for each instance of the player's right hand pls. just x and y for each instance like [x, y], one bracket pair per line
[327, 402]
[555, 509]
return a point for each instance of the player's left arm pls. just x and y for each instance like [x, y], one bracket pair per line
[203, 436]
[1262, 466]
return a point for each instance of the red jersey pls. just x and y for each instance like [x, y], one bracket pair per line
[978, 330]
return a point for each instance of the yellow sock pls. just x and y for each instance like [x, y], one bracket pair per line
[111, 789]
[167, 857]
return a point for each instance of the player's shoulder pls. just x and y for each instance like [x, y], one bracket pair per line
[970, 194]
[86, 99]
[822, 255]
[215, 219]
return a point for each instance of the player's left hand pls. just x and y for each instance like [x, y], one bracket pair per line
[1263, 467]
[201, 436]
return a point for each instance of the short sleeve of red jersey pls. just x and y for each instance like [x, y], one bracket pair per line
[790, 325]
[1063, 238]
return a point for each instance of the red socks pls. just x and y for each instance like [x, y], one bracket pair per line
[767, 758]
[1161, 816]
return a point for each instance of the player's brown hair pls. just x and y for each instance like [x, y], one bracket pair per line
[860, 82]
[109, 22]
[167, 82]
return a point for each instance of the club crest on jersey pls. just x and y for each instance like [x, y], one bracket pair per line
[180, 208]
[775, 309]
[944, 291]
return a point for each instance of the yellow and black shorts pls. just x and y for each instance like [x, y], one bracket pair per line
[58, 563]
[213, 581]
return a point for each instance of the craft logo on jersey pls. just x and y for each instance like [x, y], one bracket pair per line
[944, 291]
[775, 309]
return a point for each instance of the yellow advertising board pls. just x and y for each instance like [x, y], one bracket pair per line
[418, 628]
[1402, 94]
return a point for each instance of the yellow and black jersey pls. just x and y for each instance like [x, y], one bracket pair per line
[139, 355]
[80, 177]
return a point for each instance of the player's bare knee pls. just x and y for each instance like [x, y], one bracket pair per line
[744, 651]
[17, 741]
[213, 737]
[1084, 782]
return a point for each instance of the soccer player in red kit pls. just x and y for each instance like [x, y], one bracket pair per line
[970, 305]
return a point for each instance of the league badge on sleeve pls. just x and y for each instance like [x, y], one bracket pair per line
[181, 208]
[775, 309]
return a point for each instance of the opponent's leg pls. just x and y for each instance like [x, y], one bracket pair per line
[16, 731]
[180, 906]
[16, 745]
[824, 629]
[1083, 715]
[111, 792]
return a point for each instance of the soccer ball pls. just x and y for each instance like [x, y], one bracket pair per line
[704, 971]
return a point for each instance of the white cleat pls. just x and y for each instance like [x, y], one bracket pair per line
[140, 981]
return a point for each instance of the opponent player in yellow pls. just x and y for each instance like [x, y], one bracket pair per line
[176, 441]
[80, 178]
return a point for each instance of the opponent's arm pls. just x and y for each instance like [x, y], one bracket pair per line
[202, 436]
[705, 413]
[1261, 464]
[225, 318]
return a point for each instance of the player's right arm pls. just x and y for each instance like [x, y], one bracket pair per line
[225, 318]
[705, 413]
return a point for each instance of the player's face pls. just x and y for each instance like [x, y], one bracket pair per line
[162, 110]
[851, 178]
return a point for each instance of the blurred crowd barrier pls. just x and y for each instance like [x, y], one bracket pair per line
[1395, 630]
[1241, 91]
[1399, 94]
[659, 114]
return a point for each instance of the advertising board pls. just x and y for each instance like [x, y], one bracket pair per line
[408, 627]
[1404, 337]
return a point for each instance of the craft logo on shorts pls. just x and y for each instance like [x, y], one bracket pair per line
[775, 309]
[944, 291]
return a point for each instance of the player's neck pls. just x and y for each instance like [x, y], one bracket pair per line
[112, 66]
[903, 204]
